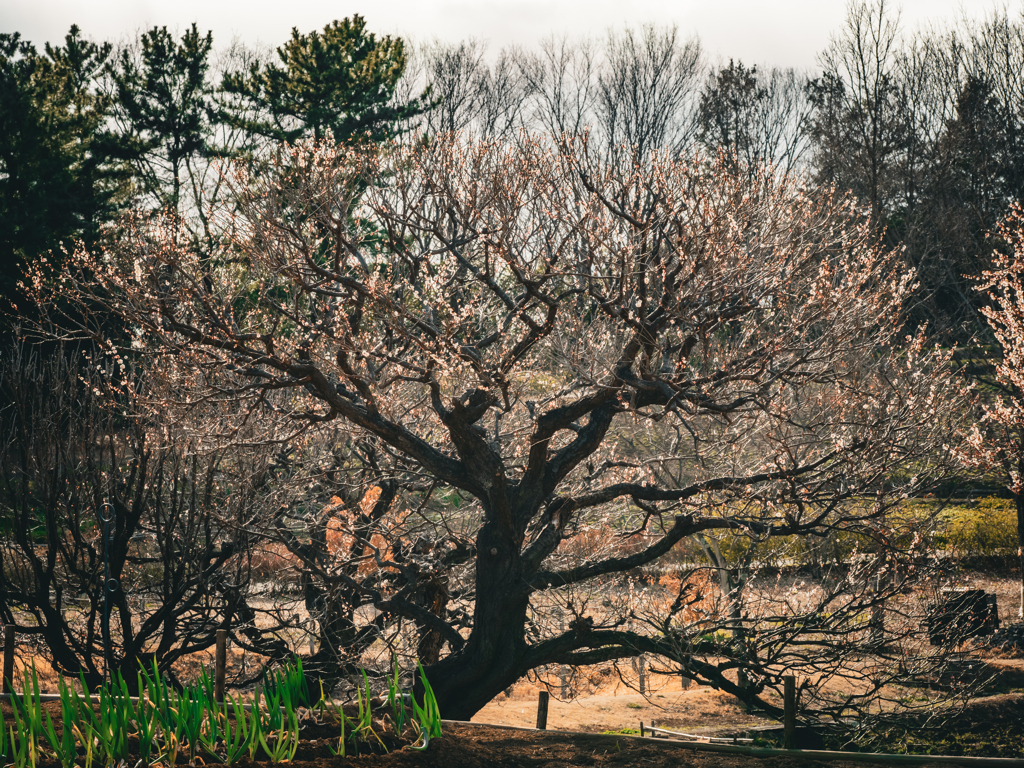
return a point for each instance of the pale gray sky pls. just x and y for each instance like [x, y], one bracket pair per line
[776, 32]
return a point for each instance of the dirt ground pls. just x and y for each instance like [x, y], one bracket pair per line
[698, 711]
[470, 746]
[617, 705]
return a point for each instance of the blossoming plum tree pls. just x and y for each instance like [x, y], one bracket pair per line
[997, 443]
[551, 343]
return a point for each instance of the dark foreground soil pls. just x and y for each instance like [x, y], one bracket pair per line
[475, 746]
[467, 745]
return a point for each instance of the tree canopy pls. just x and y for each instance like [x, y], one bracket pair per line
[659, 349]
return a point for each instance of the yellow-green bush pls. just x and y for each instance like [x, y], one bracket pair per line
[985, 528]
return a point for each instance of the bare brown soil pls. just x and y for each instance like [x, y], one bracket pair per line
[472, 746]
[466, 745]
[698, 711]
[619, 704]
[612, 700]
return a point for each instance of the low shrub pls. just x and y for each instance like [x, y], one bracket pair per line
[987, 528]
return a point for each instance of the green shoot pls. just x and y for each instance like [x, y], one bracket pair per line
[4, 743]
[396, 698]
[236, 742]
[428, 716]
[280, 737]
[343, 721]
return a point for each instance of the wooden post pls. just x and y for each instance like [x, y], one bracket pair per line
[219, 661]
[789, 722]
[8, 686]
[642, 732]
[542, 710]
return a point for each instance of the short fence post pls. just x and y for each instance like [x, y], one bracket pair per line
[8, 686]
[219, 661]
[789, 703]
[542, 711]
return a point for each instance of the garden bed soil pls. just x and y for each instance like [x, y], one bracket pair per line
[466, 745]
[472, 746]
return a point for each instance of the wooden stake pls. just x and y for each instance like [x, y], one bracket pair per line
[8, 686]
[542, 710]
[789, 722]
[219, 663]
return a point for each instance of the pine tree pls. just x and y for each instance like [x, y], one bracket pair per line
[57, 184]
[336, 84]
[164, 110]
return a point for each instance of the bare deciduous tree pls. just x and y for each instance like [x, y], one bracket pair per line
[561, 79]
[860, 127]
[71, 456]
[456, 74]
[925, 130]
[757, 118]
[648, 89]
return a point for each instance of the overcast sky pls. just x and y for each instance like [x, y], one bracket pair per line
[775, 32]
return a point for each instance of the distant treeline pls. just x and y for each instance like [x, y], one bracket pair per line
[925, 128]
